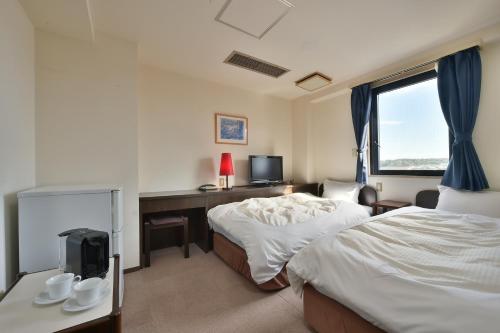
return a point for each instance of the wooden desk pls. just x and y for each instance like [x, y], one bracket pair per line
[18, 313]
[196, 203]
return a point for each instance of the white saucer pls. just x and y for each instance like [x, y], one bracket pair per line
[44, 299]
[71, 305]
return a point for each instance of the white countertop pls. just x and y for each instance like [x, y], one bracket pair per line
[19, 314]
[68, 190]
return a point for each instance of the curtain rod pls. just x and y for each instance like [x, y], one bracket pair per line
[419, 66]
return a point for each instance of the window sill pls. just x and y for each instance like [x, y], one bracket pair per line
[406, 176]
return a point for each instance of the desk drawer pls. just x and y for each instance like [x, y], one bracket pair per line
[216, 200]
[166, 204]
[221, 200]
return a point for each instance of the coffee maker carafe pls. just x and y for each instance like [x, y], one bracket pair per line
[84, 252]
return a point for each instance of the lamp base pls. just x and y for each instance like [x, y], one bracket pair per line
[227, 188]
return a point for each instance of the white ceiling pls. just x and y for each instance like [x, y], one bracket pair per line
[255, 17]
[71, 18]
[342, 39]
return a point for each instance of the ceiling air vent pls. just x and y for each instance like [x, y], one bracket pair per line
[245, 61]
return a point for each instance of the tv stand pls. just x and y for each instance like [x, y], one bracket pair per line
[263, 185]
[195, 204]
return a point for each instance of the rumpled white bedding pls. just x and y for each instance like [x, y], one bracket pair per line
[286, 209]
[411, 270]
[272, 230]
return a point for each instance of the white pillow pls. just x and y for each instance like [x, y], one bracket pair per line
[341, 190]
[467, 202]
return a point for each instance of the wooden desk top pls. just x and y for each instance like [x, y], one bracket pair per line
[197, 193]
[18, 313]
[162, 194]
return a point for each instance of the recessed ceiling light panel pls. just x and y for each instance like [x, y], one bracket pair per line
[253, 17]
[313, 81]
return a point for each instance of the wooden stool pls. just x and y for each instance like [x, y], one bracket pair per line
[158, 223]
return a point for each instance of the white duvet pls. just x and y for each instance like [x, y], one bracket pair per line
[411, 270]
[272, 230]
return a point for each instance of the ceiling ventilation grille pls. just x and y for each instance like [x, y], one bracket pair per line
[248, 62]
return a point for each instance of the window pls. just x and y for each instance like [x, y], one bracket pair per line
[409, 135]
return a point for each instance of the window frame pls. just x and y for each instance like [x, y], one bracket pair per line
[374, 128]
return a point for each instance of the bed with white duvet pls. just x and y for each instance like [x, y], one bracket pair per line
[410, 270]
[272, 230]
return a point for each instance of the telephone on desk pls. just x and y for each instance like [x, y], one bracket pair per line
[207, 187]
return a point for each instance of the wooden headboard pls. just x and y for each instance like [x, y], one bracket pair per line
[427, 199]
[367, 195]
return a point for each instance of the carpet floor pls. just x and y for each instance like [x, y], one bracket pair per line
[202, 294]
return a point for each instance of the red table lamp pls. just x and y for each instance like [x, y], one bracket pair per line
[226, 167]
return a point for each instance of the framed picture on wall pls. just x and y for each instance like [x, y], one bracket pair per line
[231, 129]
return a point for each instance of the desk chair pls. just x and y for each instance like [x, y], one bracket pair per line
[168, 222]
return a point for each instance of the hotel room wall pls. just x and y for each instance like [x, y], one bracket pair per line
[86, 119]
[302, 143]
[332, 137]
[177, 147]
[17, 127]
[487, 130]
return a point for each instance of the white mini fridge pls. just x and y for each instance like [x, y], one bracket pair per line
[44, 212]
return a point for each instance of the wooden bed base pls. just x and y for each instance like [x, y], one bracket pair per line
[237, 259]
[326, 315]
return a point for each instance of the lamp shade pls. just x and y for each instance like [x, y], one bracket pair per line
[226, 165]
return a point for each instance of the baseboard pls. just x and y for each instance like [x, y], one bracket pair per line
[131, 269]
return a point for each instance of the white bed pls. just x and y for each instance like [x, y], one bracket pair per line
[272, 230]
[410, 270]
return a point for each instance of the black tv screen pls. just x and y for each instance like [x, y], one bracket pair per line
[265, 169]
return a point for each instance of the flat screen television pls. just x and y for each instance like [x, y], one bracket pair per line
[265, 169]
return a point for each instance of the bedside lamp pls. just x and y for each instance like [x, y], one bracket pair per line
[226, 167]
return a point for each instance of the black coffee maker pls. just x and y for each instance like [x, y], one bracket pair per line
[86, 252]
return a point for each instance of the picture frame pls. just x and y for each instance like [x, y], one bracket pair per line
[231, 129]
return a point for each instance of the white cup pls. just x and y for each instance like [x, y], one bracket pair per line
[87, 291]
[59, 285]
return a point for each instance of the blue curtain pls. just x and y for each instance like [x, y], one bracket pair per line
[459, 86]
[361, 98]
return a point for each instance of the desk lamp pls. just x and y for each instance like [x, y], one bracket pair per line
[226, 167]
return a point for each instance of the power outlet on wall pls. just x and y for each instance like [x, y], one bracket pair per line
[378, 186]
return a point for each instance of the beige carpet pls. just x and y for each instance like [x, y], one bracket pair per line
[202, 294]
